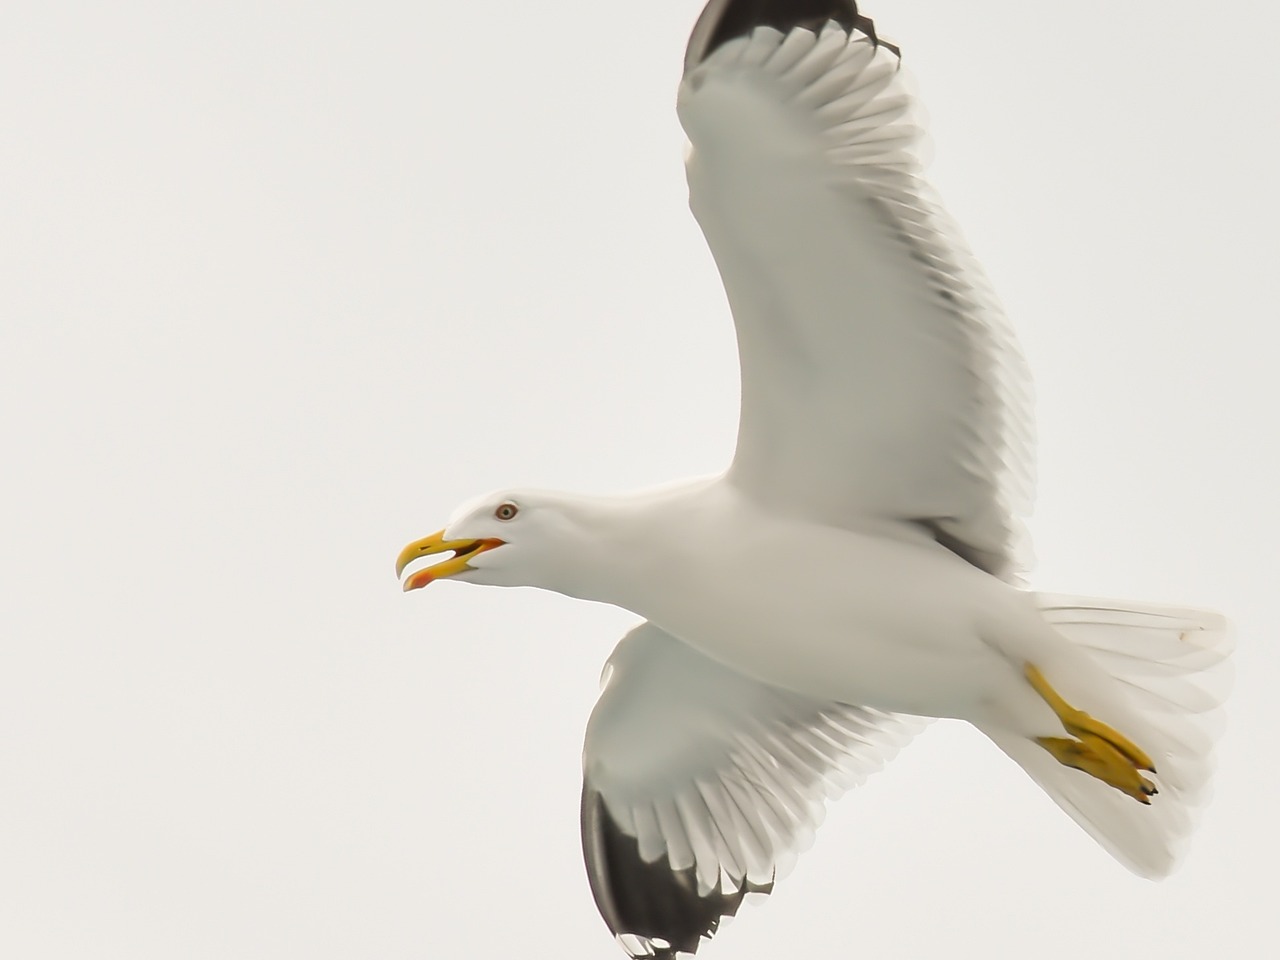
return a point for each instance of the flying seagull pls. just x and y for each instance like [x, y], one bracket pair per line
[857, 567]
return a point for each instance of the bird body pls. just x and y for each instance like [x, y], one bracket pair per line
[707, 564]
[858, 566]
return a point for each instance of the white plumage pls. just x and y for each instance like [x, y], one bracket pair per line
[805, 178]
[718, 772]
[857, 566]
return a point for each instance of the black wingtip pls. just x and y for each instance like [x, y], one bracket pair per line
[868, 26]
[649, 904]
[725, 20]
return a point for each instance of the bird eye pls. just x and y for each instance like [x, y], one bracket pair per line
[506, 511]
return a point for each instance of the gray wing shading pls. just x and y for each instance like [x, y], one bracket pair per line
[881, 380]
[700, 785]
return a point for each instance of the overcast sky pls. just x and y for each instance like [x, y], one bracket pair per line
[282, 282]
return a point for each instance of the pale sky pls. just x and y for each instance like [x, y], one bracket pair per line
[281, 283]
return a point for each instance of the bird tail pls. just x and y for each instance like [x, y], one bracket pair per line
[1171, 666]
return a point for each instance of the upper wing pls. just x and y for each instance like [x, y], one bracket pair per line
[699, 784]
[880, 379]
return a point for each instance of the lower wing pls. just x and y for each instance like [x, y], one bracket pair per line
[701, 784]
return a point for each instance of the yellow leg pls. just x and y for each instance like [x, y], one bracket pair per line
[1100, 751]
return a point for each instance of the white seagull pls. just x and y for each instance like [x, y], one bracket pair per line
[856, 568]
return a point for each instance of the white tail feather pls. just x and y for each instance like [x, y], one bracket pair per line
[1172, 666]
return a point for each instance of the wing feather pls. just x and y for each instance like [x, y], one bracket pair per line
[881, 381]
[700, 786]
[795, 45]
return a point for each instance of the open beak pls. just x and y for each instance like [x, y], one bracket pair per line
[462, 551]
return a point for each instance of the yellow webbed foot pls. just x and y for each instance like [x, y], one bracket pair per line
[1099, 759]
[1100, 751]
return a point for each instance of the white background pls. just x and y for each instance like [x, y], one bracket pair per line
[282, 282]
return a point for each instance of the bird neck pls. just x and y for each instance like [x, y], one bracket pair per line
[619, 544]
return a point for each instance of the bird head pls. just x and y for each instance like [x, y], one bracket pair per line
[509, 538]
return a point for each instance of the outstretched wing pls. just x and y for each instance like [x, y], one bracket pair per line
[700, 784]
[880, 379]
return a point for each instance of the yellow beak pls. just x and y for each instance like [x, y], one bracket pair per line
[462, 550]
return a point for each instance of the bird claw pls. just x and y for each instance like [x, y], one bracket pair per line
[1100, 750]
[1098, 758]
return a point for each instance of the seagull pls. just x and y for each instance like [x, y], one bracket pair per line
[858, 567]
